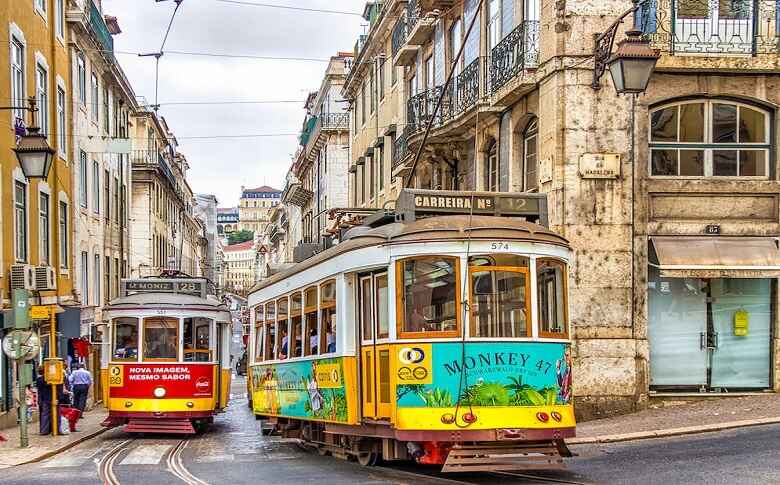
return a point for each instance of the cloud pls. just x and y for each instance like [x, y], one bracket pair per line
[221, 166]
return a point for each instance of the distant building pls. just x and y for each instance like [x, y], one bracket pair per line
[227, 220]
[255, 206]
[239, 265]
[205, 210]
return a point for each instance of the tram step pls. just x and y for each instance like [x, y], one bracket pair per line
[173, 426]
[500, 457]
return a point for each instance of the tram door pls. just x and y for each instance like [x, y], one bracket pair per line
[373, 301]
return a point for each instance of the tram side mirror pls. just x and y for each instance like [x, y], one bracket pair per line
[97, 331]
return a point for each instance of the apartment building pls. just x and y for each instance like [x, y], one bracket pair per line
[254, 206]
[163, 230]
[227, 220]
[655, 192]
[36, 215]
[319, 181]
[239, 267]
[205, 210]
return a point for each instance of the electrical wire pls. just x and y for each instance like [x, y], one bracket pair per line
[287, 7]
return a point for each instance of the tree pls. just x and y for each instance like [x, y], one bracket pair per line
[237, 237]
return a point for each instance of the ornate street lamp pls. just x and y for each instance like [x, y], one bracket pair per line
[33, 151]
[632, 64]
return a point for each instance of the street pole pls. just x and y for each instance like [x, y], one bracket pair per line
[55, 422]
[21, 321]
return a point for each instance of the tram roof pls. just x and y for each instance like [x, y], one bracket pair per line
[440, 228]
[166, 300]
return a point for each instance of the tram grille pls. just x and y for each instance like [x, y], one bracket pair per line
[504, 457]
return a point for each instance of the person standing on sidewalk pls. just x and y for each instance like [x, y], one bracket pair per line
[80, 380]
[44, 403]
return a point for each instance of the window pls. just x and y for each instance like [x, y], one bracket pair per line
[430, 81]
[296, 324]
[283, 339]
[41, 5]
[125, 339]
[500, 296]
[95, 98]
[551, 294]
[491, 168]
[270, 351]
[43, 228]
[328, 316]
[18, 97]
[382, 306]
[82, 79]
[107, 290]
[197, 340]
[370, 163]
[429, 289]
[259, 331]
[494, 22]
[372, 94]
[83, 178]
[393, 73]
[310, 327]
[531, 155]
[106, 113]
[63, 235]
[713, 138]
[84, 278]
[107, 195]
[42, 98]
[117, 276]
[20, 220]
[62, 134]
[455, 40]
[363, 104]
[117, 205]
[382, 81]
[96, 279]
[95, 187]
[59, 18]
[161, 339]
[380, 165]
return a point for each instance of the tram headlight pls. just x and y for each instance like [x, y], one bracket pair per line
[159, 392]
[190, 404]
[128, 404]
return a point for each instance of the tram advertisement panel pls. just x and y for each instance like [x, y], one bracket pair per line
[178, 380]
[303, 389]
[485, 374]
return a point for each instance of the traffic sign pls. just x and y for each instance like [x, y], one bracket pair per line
[40, 312]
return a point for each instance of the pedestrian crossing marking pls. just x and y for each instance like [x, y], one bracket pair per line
[146, 455]
[214, 458]
[71, 459]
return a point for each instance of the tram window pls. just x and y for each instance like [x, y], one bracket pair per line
[310, 330]
[382, 302]
[270, 340]
[499, 259]
[551, 295]
[161, 339]
[429, 288]
[296, 321]
[500, 306]
[282, 338]
[328, 317]
[197, 340]
[125, 339]
[259, 329]
[366, 320]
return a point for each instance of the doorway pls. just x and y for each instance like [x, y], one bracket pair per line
[710, 334]
[373, 313]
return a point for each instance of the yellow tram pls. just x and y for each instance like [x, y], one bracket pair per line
[443, 339]
[168, 368]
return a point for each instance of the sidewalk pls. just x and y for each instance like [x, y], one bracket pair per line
[42, 447]
[672, 418]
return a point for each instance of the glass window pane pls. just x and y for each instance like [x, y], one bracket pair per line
[692, 163]
[724, 163]
[499, 259]
[752, 126]
[161, 338]
[551, 291]
[692, 9]
[499, 304]
[663, 125]
[664, 162]
[692, 122]
[382, 304]
[724, 123]
[752, 163]
[197, 340]
[429, 292]
[735, 9]
[125, 339]
[366, 319]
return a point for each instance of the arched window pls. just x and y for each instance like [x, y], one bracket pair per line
[531, 155]
[491, 168]
[709, 138]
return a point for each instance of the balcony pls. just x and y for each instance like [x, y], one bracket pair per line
[419, 26]
[334, 121]
[515, 54]
[400, 154]
[404, 54]
[99, 29]
[707, 27]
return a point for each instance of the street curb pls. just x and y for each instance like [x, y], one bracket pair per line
[664, 433]
[62, 448]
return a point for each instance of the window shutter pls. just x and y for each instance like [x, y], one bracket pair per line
[472, 42]
[508, 17]
[439, 59]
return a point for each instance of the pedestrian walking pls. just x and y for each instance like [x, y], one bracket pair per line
[80, 380]
[44, 403]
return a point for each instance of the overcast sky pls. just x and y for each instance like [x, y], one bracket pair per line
[221, 166]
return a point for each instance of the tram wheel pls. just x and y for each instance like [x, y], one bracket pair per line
[322, 451]
[266, 430]
[368, 459]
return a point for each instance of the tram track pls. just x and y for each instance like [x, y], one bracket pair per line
[174, 463]
[471, 479]
[106, 464]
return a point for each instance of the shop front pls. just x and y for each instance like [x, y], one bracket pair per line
[711, 312]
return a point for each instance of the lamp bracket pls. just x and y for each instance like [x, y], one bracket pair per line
[605, 41]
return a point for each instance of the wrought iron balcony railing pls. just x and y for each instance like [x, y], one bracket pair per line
[464, 92]
[399, 35]
[419, 108]
[334, 121]
[516, 52]
[412, 14]
[98, 26]
[730, 27]
[400, 149]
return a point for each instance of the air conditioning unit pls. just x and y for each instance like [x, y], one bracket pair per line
[45, 278]
[22, 277]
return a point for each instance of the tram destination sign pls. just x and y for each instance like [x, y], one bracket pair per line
[414, 203]
[194, 287]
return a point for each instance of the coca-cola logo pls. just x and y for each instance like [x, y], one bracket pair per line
[202, 384]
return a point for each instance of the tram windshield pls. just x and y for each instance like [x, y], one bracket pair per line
[551, 295]
[500, 302]
[161, 338]
[125, 339]
[429, 287]
[197, 340]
